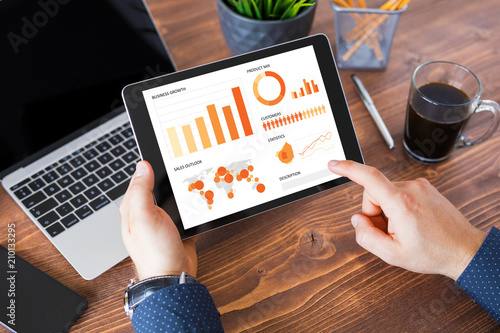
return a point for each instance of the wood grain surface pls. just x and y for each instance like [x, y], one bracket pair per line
[298, 268]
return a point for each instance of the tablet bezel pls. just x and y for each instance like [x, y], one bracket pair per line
[150, 150]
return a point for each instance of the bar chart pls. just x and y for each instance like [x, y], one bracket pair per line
[218, 118]
[307, 89]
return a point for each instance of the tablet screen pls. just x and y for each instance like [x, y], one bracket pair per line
[244, 135]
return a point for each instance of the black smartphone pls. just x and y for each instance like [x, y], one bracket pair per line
[32, 301]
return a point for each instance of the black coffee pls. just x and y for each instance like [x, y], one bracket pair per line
[432, 129]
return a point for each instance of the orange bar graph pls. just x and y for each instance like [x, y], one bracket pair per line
[188, 135]
[231, 125]
[242, 111]
[174, 141]
[208, 129]
[308, 87]
[214, 119]
[315, 86]
[202, 129]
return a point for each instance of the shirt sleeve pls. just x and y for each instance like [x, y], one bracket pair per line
[481, 279]
[186, 307]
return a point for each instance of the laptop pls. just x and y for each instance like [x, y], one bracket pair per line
[67, 148]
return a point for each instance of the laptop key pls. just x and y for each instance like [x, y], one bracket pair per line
[118, 191]
[105, 158]
[49, 177]
[64, 209]
[129, 157]
[70, 220]
[90, 180]
[104, 137]
[33, 200]
[130, 169]
[103, 172]
[65, 181]
[105, 185]
[102, 147]
[55, 229]
[77, 174]
[84, 212]
[92, 165]
[117, 165]
[76, 188]
[62, 196]
[116, 130]
[38, 174]
[48, 219]
[51, 189]
[127, 133]
[99, 202]
[92, 192]
[78, 201]
[119, 177]
[52, 166]
[78, 151]
[18, 185]
[64, 159]
[23, 192]
[64, 169]
[44, 207]
[36, 184]
[90, 154]
[115, 139]
[117, 151]
[130, 144]
[77, 161]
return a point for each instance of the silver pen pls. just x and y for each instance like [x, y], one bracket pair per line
[373, 111]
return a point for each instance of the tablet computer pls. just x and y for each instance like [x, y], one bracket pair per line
[240, 136]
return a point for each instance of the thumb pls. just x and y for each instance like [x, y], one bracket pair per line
[371, 238]
[143, 176]
[139, 194]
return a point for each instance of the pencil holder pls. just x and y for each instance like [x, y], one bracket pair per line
[363, 36]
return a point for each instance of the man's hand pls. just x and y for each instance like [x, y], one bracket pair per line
[149, 234]
[410, 224]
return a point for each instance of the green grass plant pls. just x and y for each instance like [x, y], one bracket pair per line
[269, 9]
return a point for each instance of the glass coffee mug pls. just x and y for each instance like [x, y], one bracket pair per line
[443, 97]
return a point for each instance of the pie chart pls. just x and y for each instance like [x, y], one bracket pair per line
[256, 88]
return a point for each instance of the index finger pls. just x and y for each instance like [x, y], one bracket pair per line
[375, 183]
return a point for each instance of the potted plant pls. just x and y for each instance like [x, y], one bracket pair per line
[253, 24]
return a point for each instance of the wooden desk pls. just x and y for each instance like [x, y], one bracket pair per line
[266, 273]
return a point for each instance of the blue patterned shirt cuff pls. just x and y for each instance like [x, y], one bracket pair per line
[184, 307]
[481, 279]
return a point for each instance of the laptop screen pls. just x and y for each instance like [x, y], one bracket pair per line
[63, 64]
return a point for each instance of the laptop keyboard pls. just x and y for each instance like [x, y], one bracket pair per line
[68, 191]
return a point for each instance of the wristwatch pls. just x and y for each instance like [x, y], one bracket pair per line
[137, 292]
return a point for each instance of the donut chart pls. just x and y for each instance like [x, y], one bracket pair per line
[256, 88]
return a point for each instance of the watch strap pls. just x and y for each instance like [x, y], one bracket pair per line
[138, 292]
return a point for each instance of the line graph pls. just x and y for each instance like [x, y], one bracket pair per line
[323, 142]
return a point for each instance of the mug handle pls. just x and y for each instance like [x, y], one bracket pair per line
[494, 108]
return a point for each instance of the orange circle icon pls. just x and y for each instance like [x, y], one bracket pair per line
[256, 88]
[199, 185]
[244, 173]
